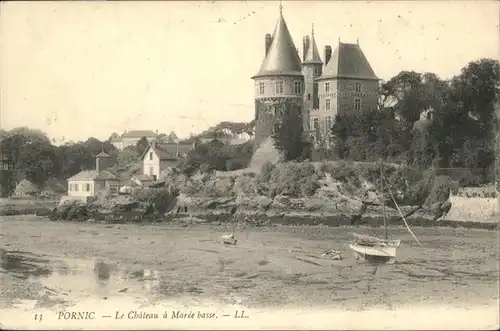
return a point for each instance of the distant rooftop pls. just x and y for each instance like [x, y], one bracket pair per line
[93, 175]
[168, 151]
[139, 134]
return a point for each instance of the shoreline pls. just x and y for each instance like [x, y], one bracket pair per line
[262, 219]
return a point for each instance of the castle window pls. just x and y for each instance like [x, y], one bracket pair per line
[315, 124]
[261, 88]
[276, 128]
[308, 96]
[328, 124]
[87, 187]
[275, 110]
[358, 87]
[327, 104]
[316, 128]
[357, 104]
[327, 87]
[297, 87]
[316, 71]
[279, 87]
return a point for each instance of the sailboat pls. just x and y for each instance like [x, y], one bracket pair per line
[373, 249]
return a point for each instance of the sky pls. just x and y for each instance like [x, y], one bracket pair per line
[88, 69]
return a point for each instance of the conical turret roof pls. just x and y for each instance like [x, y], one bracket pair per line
[312, 54]
[282, 57]
[348, 61]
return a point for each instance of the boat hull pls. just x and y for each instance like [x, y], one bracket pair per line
[376, 253]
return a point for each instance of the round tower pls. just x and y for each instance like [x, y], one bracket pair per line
[311, 68]
[279, 84]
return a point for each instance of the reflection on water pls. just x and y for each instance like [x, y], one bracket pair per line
[74, 279]
[23, 264]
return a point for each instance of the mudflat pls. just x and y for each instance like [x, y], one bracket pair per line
[59, 263]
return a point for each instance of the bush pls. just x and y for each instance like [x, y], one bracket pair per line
[266, 171]
[291, 179]
[160, 198]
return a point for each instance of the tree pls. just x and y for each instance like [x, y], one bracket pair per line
[208, 156]
[32, 154]
[289, 137]
[173, 136]
[463, 129]
[409, 93]
[141, 145]
[367, 135]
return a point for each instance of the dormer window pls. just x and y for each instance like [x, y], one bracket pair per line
[279, 87]
[261, 88]
[150, 155]
[297, 87]
[327, 87]
[358, 87]
[316, 71]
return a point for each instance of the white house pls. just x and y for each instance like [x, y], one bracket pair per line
[88, 183]
[130, 138]
[159, 156]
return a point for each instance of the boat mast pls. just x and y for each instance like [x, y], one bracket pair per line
[383, 198]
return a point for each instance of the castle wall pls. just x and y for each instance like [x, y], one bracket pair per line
[342, 94]
[270, 105]
[269, 113]
[347, 94]
[311, 100]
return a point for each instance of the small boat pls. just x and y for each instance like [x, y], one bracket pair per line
[373, 249]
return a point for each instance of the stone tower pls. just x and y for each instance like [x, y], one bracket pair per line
[312, 68]
[347, 84]
[279, 84]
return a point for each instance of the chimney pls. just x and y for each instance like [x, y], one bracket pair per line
[268, 40]
[177, 149]
[305, 47]
[328, 54]
[97, 168]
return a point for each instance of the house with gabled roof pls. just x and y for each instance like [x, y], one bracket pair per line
[130, 138]
[89, 183]
[159, 156]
